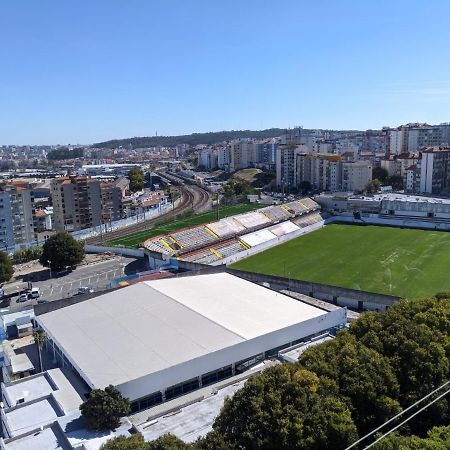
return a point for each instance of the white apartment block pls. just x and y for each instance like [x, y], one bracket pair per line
[356, 175]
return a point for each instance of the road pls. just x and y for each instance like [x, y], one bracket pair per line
[97, 276]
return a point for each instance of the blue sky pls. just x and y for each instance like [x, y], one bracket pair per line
[80, 71]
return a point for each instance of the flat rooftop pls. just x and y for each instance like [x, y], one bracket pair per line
[191, 416]
[32, 415]
[391, 196]
[30, 388]
[52, 382]
[153, 325]
[51, 437]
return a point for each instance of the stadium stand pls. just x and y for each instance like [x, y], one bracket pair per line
[276, 213]
[252, 220]
[310, 204]
[258, 237]
[283, 228]
[157, 245]
[226, 227]
[305, 221]
[225, 237]
[230, 248]
[296, 208]
[191, 238]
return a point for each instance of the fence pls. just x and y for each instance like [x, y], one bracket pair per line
[105, 228]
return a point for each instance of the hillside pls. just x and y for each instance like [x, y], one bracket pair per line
[191, 139]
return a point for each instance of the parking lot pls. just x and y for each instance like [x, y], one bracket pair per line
[97, 276]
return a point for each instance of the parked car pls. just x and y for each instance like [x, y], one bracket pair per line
[41, 300]
[23, 297]
[35, 293]
[85, 290]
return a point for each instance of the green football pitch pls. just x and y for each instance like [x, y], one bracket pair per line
[136, 239]
[404, 262]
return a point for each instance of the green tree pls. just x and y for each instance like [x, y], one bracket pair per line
[168, 442]
[40, 338]
[286, 408]
[415, 337]
[396, 181]
[104, 408]
[237, 187]
[136, 177]
[6, 267]
[373, 186]
[134, 442]
[364, 377]
[438, 438]
[380, 174]
[61, 250]
[304, 187]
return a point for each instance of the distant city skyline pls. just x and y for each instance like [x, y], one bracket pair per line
[86, 72]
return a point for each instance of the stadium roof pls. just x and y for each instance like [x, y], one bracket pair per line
[148, 327]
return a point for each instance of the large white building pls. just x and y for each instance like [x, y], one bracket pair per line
[157, 340]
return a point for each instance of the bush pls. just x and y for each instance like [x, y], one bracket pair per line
[104, 408]
[27, 254]
[6, 267]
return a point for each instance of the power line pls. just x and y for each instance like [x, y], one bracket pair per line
[408, 419]
[398, 415]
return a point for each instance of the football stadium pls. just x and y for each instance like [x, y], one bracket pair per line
[408, 263]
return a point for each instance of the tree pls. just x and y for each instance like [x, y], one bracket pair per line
[237, 187]
[61, 250]
[364, 376]
[134, 442]
[380, 174]
[437, 438]
[40, 338]
[65, 153]
[104, 408]
[373, 186]
[286, 408]
[6, 267]
[136, 177]
[305, 187]
[168, 442]
[415, 337]
[396, 181]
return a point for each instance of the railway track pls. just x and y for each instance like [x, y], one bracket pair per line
[193, 198]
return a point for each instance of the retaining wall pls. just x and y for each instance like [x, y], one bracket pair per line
[133, 252]
[352, 298]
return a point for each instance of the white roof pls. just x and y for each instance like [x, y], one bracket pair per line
[154, 325]
[258, 237]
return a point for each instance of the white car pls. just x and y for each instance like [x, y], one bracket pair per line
[35, 293]
[23, 298]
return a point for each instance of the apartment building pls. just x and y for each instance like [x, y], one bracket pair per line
[287, 165]
[16, 215]
[356, 175]
[208, 159]
[435, 170]
[241, 154]
[111, 195]
[414, 137]
[81, 202]
[224, 158]
[325, 172]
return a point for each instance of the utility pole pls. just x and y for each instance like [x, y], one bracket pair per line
[218, 207]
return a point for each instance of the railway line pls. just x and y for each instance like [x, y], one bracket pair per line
[193, 198]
